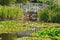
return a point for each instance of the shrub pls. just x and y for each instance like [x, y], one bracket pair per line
[21, 1]
[52, 16]
[55, 14]
[14, 12]
[48, 32]
[58, 18]
[4, 13]
[49, 2]
[7, 2]
[43, 15]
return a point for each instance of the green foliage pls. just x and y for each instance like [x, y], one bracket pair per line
[8, 13]
[54, 14]
[52, 3]
[44, 15]
[41, 1]
[7, 2]
[51, 14]
[21, 1]
[49, 32]
[49, 2]
[58, 17]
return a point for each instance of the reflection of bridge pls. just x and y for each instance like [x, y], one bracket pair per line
[31, 9]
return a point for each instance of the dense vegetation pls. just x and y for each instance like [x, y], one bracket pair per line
[9, 13]
[21, 1]
[48, 33]
[8, 2]
[49, 14]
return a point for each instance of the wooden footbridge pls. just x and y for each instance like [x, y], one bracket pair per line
[31, 10]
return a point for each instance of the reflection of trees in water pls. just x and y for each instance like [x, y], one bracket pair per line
[8, 36]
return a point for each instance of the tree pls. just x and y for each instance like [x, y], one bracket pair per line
[21, 1]
[7, 2]
[33, 1]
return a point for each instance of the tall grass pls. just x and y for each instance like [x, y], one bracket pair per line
[43, 15]
[55, 14]
[8, 13]
[48, 15]
[52, 16]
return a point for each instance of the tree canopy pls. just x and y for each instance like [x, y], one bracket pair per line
[21, 1]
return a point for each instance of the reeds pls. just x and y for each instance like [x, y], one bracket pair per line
[9, 13]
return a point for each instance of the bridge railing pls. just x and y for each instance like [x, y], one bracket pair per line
[30, 6]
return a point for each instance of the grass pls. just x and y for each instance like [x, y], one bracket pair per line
[33, 38]
[12, 26]
[42, 24]
[10, 13]
[39, 25]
